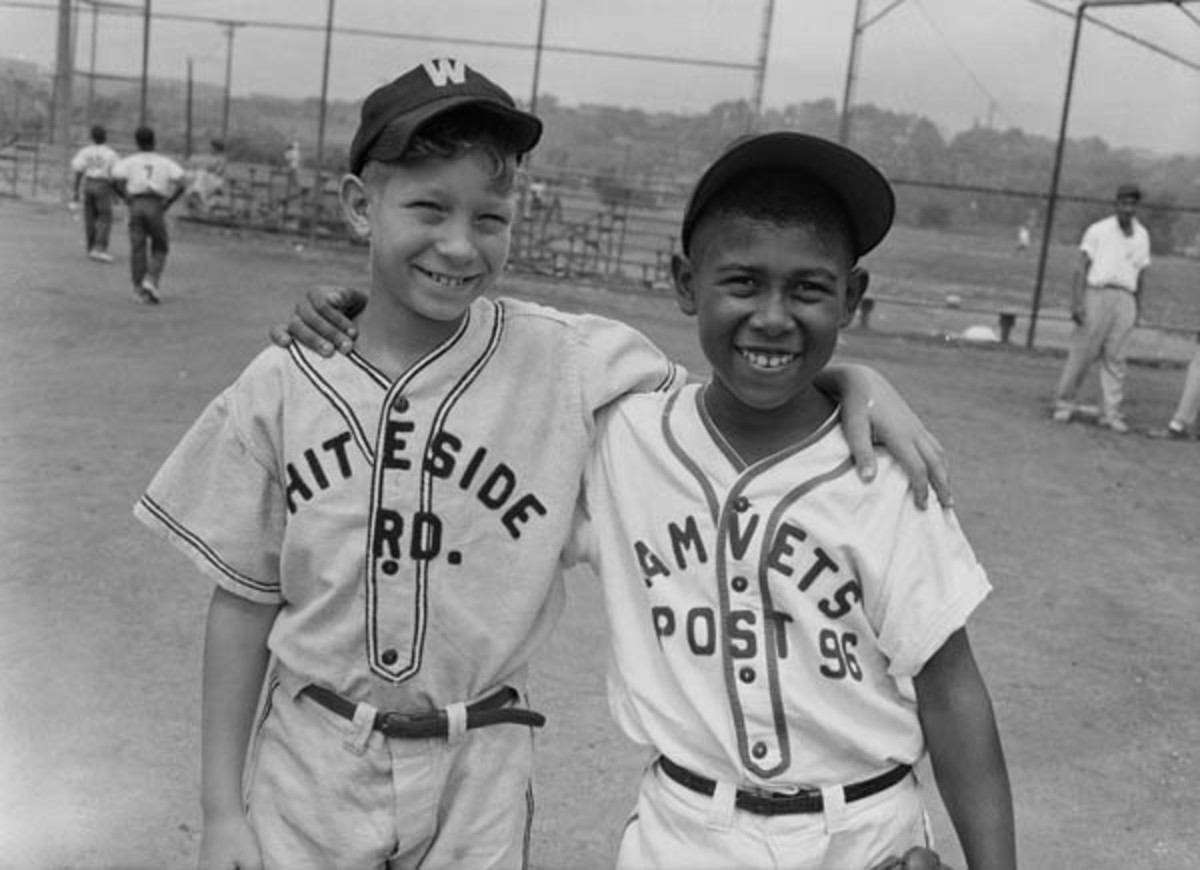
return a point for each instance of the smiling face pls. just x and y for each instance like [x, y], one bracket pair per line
[439, 229]
[770, 290]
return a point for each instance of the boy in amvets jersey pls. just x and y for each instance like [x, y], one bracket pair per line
[149, 183]
[93, 165]
[787, 638]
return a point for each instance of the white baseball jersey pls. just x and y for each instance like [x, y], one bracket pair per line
[95, 161]
[766, 620]
[149, 172]
[411, 529]
[1116, 259]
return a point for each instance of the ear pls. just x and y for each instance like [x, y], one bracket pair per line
[683, 275]
[856, 289]
[356, 205]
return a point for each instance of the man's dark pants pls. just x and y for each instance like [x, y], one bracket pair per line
[147, 228]
[97, 213]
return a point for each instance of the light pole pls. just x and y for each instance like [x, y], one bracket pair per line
[145, 62]
[523, 237]
[64, 68]
[229, 26]
[852, 65]
[318, 181]
[92, 61]
[537, 58]
[760, 69]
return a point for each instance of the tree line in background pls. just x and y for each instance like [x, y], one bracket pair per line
[981, 177]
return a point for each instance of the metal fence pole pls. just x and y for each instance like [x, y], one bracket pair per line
[318, 179]
[1052, 200]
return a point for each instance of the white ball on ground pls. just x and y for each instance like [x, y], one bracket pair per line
[980, 332]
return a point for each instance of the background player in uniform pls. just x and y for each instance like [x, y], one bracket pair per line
[93, 165]
[150, 183]
[787, 638]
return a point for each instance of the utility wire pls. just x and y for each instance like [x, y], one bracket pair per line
[1188, 13]
[126, 9]
[1104, 25]
[993, 102]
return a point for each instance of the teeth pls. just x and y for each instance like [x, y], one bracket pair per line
[763, 360]
[444, 280]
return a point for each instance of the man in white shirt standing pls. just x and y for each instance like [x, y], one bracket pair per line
[150, 183]
[93, 165]
[1105, 296]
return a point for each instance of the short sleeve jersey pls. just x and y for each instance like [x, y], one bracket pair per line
[95, 161]
[148, 172]
[766, 620]
[411, 530]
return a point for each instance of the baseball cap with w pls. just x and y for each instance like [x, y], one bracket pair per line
[424, 92]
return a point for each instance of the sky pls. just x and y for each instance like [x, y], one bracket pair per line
[1001, 63]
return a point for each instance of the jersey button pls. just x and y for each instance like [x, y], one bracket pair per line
[400, 404]
[739, 584]
[389, 657]
[747, 675]
[759, 750]
[742, 504]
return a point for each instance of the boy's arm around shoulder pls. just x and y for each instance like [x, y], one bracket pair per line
[615, 360]
[968, 761]
[873, 412]
[235, 663]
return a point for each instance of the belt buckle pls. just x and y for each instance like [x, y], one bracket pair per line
[406, 724]
[775, 793]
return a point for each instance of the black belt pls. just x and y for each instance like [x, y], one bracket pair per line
[492, 710]
[781, 804]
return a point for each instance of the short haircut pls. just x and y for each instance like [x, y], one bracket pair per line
[99, 134]
[144, 137]
[784, 197]
[453, 134]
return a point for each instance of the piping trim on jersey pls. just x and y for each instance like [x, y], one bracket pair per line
[203, 549]
[668, 381]
[335, 398]
[684, 459]
[371, 371]
[426, 480]
[773, 521]
[718, 437]
[723, 533]
[724, 516]
[417, 367]
[420, 615]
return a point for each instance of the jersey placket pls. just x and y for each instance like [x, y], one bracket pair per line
[403, 536]
[749, 651]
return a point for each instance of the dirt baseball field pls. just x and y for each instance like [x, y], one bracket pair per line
[1089, 644]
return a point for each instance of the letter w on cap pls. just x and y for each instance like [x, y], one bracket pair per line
[444, 71]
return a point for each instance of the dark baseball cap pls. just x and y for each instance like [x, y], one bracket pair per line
[865, 194]
[1129, 191]
[421, 94]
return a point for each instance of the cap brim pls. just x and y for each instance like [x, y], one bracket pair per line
[865, 193]
[392, 141]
